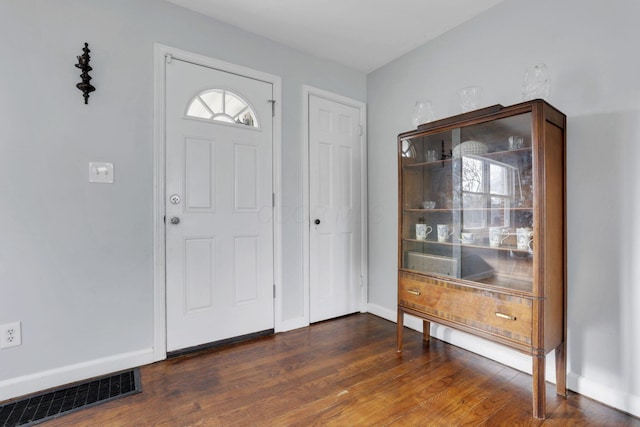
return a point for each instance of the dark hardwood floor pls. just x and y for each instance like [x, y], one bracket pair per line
[343, 372]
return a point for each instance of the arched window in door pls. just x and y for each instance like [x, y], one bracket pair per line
[222, 106]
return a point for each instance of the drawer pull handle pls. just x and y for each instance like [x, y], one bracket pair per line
[414, 291]
[505, 316]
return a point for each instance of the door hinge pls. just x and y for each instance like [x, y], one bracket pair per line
[273, 107]
[361, 130]
[274, 291]
[273, 200]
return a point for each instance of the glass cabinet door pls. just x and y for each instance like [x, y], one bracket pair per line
[467, 203]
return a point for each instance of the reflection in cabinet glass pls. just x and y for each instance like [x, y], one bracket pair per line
[495, 264]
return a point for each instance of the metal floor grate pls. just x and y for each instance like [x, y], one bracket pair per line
[52, 404]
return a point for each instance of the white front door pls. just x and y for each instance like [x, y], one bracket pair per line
[218, 205]
[335, 156]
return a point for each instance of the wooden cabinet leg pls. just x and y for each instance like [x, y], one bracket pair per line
[426, 331]
[400, 327]
[561, 369]
[539, 391]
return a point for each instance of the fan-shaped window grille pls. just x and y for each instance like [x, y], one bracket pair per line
[222, 106]
[408, 150]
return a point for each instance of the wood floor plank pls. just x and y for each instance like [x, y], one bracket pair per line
[462, 398]
[492, 397]
[361, 371]
[344, 372]
[360, 401]
[463, 410]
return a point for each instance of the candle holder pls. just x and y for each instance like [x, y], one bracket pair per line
[83, 63]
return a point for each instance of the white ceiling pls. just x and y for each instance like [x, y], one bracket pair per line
[361, 34]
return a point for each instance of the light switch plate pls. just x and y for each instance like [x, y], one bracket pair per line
[101, 172]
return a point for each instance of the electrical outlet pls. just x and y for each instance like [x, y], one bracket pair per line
[10, 335]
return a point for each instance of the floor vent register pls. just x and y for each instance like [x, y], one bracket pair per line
[54, 403]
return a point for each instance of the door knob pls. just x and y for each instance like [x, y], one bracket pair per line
[317, 222]
[174, 220]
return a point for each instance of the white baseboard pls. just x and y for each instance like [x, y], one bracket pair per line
[291, 324]
[383, 312]
[622, 401]
[38, 381]
[303, 322]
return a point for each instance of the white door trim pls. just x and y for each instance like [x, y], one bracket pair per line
[362, 107]
[161, 52]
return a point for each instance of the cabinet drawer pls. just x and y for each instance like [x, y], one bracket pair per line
[505, 315]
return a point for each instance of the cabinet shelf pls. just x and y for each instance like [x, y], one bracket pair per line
[502, 283]
[419, 210]
[446, 162]
[518, 253]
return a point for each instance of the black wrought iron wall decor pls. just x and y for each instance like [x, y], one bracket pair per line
[83, 64]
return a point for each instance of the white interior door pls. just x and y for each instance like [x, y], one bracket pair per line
[335, 251]
[218, 204]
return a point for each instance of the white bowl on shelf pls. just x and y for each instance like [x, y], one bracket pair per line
[469, 147]
[467, 238]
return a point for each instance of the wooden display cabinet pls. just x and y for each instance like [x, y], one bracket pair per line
[492, 262]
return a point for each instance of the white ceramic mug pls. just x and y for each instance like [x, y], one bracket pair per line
[524, 238]
[422, 231]
[444, 232]
[497, 235]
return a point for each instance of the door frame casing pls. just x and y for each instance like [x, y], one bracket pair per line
[161, 52]
[308, 91]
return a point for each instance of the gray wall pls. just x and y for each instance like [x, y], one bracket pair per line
[591, 50]
[76, 258]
